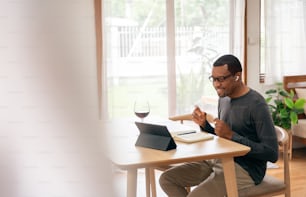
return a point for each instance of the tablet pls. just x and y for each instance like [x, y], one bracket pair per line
[154, 136]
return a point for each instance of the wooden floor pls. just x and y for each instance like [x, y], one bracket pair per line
[297, 170]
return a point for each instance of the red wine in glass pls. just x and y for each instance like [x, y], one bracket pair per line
[142, 114]
[141, 109]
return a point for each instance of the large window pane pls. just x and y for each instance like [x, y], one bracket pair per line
[136, 55]
[135, 43]
[202, 34]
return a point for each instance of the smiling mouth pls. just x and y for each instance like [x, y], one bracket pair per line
[220, 91]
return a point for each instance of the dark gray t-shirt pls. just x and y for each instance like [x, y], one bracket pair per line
[249, 117]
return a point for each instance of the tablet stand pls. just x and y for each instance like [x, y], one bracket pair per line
[155, 141]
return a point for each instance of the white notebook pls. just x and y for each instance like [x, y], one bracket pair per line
[186, 133]
[191, 136]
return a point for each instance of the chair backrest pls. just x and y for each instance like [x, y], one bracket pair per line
[181, 118]
[273, 186]
[188, 117]
[295, 81]
[283, 140]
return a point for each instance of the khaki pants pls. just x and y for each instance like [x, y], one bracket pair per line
[207, 176]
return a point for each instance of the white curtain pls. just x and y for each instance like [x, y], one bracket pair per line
[237, 36]
[284, 42]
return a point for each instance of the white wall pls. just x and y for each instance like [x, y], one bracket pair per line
[253, 46]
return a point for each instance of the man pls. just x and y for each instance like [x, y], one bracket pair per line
[243, 117]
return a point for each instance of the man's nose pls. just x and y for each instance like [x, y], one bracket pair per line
[216, 83]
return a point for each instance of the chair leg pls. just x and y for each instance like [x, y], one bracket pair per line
[290, 145]
[150, 182]
[153, 182]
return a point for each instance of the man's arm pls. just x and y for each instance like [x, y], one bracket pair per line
[266, 147]
[208, 128]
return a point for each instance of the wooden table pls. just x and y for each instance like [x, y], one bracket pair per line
[124, 154]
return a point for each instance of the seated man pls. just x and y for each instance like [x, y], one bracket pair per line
[243, 117]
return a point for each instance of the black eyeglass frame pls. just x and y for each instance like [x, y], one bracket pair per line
[219, 79]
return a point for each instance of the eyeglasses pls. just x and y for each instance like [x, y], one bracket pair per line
[219, 79]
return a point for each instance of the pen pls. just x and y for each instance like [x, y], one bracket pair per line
[187, 133]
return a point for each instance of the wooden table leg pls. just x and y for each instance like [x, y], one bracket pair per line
[148, 181]
[230, 177]
[132, 183]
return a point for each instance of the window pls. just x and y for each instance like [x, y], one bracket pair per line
[283, 42]
[140, 58]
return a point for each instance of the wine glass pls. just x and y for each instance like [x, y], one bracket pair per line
[141, 108]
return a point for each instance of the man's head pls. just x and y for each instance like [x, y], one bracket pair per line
[233, 63]
[226, 75]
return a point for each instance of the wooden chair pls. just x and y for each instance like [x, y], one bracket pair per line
[291, 83]
[270, 186]
[181, 118]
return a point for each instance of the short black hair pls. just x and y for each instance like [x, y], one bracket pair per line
[233, 63]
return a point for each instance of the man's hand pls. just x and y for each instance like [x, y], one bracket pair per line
[222, 129]
[198, 116]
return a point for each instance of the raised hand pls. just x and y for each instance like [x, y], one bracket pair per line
[222, 129]
[198, 116]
